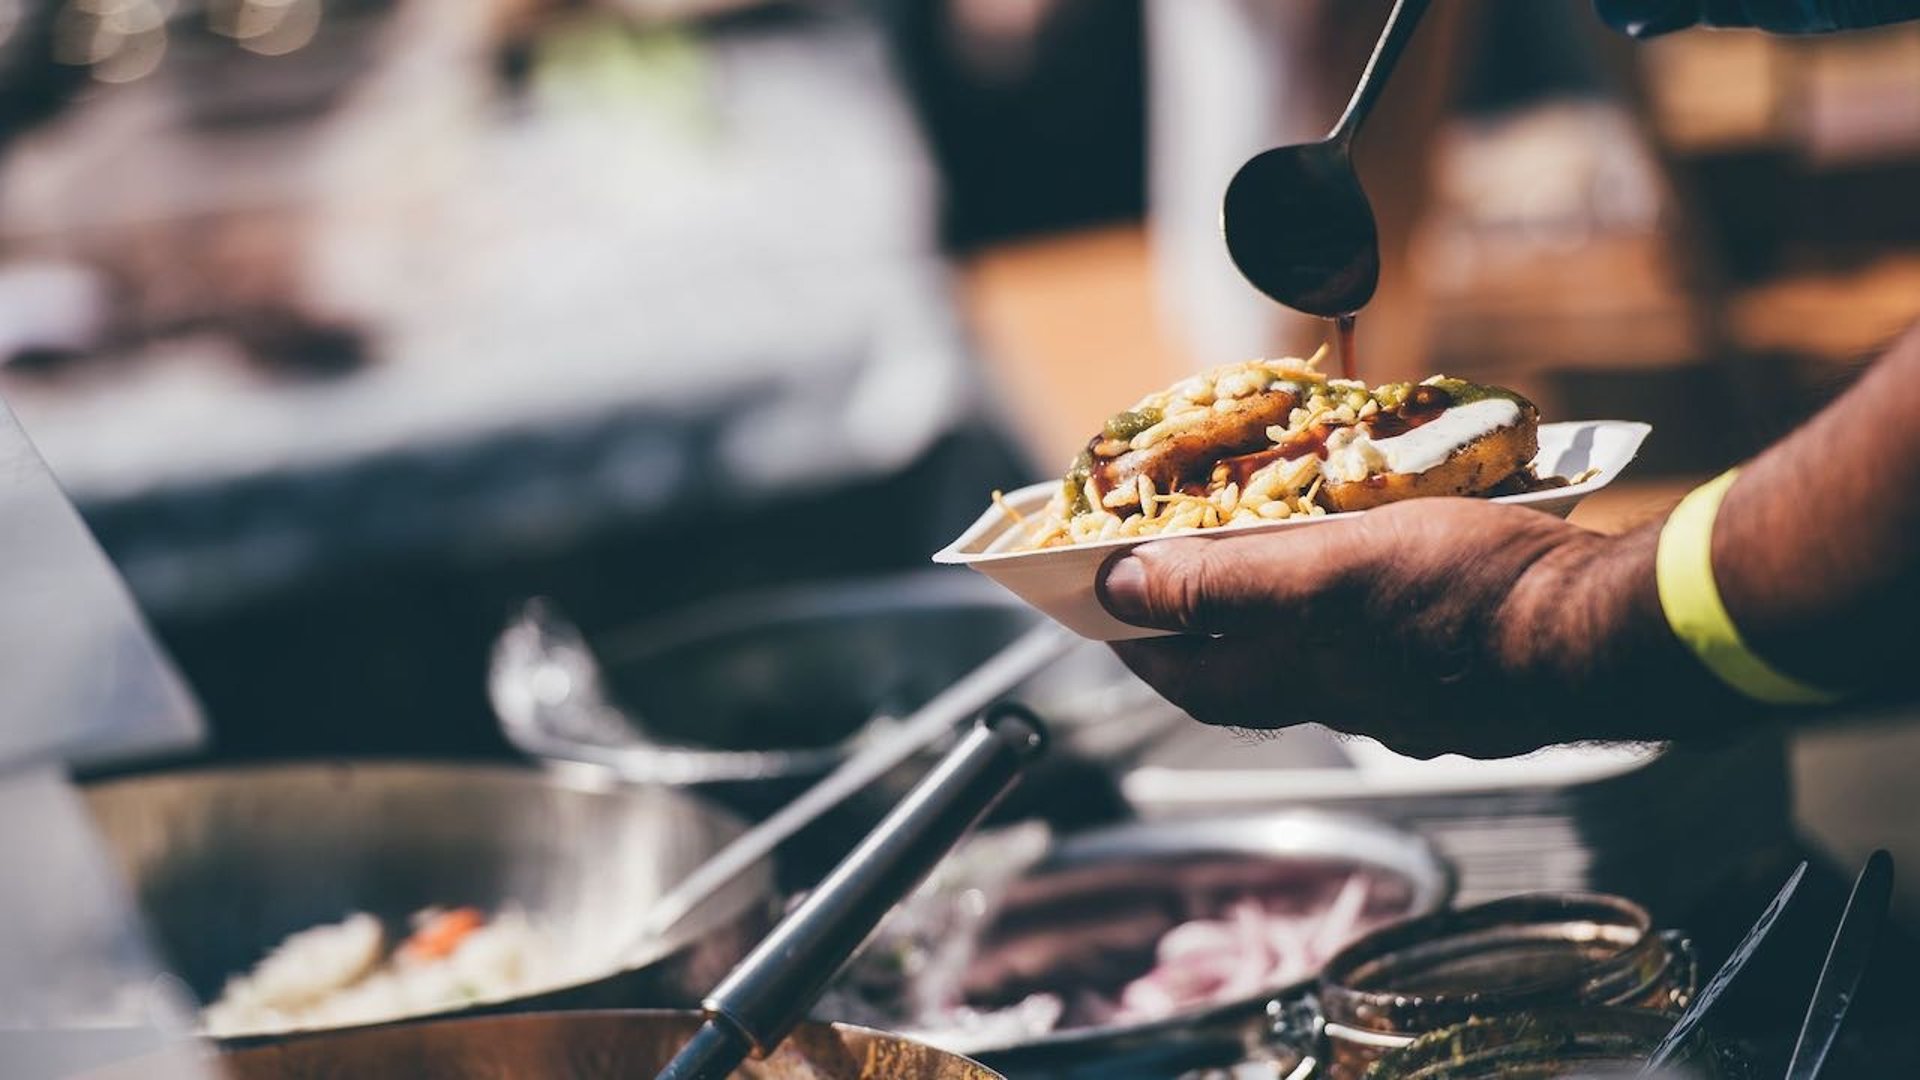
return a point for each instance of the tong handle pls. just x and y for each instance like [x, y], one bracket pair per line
[756, 1005]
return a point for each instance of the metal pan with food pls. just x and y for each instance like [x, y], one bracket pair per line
[755, 1010]
[1271, 444]
[302, 898]
[1141, 949]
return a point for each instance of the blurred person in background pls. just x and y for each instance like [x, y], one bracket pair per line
[1441, 626]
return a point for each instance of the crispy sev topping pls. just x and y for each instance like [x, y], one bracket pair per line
[1244, 443]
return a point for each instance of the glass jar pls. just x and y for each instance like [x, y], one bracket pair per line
[1554, 1045]
[1508, 958]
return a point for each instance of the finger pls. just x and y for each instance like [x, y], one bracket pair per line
[1230, 682]
[1230, 584]
[1224, 682]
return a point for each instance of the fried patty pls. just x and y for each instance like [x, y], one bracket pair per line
[1473, 469]
[1189, 454]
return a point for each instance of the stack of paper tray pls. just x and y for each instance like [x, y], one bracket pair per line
[1661, 824]
[82, 683]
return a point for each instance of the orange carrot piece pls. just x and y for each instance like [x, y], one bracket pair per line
[442, 934]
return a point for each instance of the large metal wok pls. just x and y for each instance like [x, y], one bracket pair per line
[227, 862]
[586, 1046]
[756, 1009]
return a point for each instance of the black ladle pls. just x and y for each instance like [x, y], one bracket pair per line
[755, 1006]
[1296, 221]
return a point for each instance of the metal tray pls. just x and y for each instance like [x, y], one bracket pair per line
[1154, 855]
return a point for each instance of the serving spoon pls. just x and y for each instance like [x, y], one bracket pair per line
[1297, 223]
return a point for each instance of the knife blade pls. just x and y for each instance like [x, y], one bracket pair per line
[1684, 1027]
[1847, 960]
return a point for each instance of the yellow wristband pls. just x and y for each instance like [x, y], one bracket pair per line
[1691, 599]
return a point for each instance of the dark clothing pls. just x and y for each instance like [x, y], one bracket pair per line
[1646, 18]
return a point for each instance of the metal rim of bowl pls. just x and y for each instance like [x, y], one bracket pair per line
[689, 766]
[867, 595]
[929, 591]
[1343, 1020]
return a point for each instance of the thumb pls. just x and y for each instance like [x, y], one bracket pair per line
[1219, 585]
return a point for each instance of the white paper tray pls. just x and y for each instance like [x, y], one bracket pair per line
[1060, 581]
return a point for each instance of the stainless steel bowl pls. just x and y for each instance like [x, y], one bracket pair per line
[586, 1046]
[775, 688]
[226, 863]
[1192, 867]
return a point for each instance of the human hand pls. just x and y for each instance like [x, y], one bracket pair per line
[1435, 625]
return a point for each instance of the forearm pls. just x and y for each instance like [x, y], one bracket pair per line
[1588, 641]
[1817, 552]
[1816, 555]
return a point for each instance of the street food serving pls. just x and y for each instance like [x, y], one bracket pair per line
[1049, 550]
[1268, 440]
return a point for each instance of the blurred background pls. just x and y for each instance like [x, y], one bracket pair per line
[350, 323]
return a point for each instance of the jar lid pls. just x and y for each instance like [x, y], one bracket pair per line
[1513, 955]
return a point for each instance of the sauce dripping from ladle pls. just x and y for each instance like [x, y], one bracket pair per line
[1343, 334]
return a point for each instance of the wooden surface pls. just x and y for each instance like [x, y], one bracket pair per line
[1070, 333]
[1630, 502]
[1837, 316]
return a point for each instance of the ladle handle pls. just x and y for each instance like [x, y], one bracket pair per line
[773, 988]
[1393, 40]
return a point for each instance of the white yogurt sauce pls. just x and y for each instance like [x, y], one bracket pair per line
[1424, 447]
